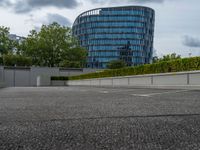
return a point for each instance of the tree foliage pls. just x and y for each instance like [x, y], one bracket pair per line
[168, 57]
[53, 46]
[116, 64]
[74, 58]
[6, 45]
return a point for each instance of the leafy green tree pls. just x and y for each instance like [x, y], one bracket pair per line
[116, 64]
[155, 59]
[31, 47]
[168, 57]
[6, 45]
[74, 58]
[53, 46]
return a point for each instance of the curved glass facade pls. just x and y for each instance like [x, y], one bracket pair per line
[114, 33]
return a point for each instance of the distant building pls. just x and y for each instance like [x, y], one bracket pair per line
[114, 33]
[16, 38]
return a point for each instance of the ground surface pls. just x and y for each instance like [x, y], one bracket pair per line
[99, 118]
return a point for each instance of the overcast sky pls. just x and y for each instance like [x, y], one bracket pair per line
[177, 21]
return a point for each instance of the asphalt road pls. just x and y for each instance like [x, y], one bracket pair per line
[88, 118]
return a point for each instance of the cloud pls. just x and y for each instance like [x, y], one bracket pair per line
[57, 18]
[148, 1]
[48, 19]
[191, 41]
[4, 3]
[127, 1]
[24, 6]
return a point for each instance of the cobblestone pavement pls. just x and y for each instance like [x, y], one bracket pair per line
[88, 118]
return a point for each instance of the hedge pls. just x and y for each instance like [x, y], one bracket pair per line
[18, 60]
[59, 78]
[185, 64]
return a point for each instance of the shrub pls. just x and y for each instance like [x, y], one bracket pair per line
[59, 78]
[71, 64]
[16, 60]
[116, 64]
[1, 60]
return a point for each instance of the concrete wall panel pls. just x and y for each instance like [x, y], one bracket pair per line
[140, 81]
[43, 72]
[9, 77]
[171, 79]
[58, 83]
[2, 85]
[95, 82]
[84, 82]
[106, 82]
[1, 74]
[120, 81]
[69, 82]
[22, 78]
[1, 77]
[194, 79]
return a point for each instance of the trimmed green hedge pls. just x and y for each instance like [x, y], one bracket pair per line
[59, 78]
[185, 64]
[18, 60]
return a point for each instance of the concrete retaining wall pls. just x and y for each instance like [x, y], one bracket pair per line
[58, 83]
[1, 77]
[15, 77]
[27, 76]
[44, 74]
[183, 79]
[1, 74]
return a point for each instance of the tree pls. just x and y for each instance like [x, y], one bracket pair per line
[52, 46]
[116, 64]
[155, 59]
[6, 45]
[168, 57]
[74, 58]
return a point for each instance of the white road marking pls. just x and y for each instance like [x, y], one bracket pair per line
[104, 92]
[141, 95]
[153, 94]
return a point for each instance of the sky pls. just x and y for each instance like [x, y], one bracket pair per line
[177, 24]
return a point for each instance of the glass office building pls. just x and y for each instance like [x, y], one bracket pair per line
[116, 33]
